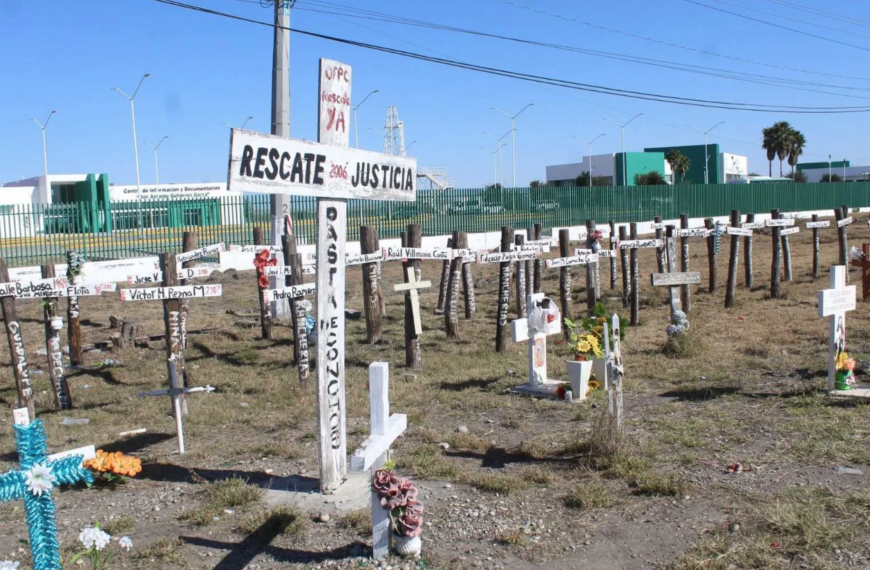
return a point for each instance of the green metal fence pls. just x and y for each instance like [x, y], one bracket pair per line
[36, 234]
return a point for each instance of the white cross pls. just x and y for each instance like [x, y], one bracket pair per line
[412, 287]
[537, 341]
[672, 279]
[834, 303]
[613, 377]
[374, 450]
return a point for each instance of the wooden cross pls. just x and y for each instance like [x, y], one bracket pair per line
[176, 392]
[373, 453]
[834, 303]
[673, 280]
[538, 382]
[412, 287]
[613, 378]
[864, 264]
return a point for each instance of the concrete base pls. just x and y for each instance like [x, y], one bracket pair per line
[304, 493]
[547, 390]
[855, 392]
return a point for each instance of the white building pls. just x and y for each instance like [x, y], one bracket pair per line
[736, 166]
[848, 173]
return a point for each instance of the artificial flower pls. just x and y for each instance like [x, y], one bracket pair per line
[8, 565]
[93, 537]
[411, 523]
[125, 543]
[594, 385]
[39, 479]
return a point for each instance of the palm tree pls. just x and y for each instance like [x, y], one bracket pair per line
[679, 162]
[775, 140]
[795, 146]
[768, 143]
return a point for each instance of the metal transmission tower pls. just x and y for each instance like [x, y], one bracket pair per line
[394, 133]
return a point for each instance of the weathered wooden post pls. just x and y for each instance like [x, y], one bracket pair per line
[711, 253]
[786, 254]
[593, 292]
[843, 220]
[527, 269]
[451, 320]
[732, 260]
[747, 250]
[16, 344]
[468, 287]
[262, 285]
[660, 252]
[635, 285]
[626, 277]
[564, 278]
[538, 262]
[56, 373]
[777, 256]
[74, 263]
[613, 258]
[368, 242]
[175, 340]
[685, 293]
[442, 288]
[300, 331]
[519, 241]
[815, 247]
[504, 293]
[189, 242]
[413, 356]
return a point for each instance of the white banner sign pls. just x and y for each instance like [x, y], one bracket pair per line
[782, 222]
[287, 293]
[256, 248]
[439, 253]
[277, 270]
[333, 103]
[360, 258]
[789, 231]
[639, 244]
[698, 232]
[581, 259]
[199, 253]
[270, 164]
[164, 293]
[812, 225]
[845, 222]
[157, 276]
[45, 289]
[738, 231]
[504, 257]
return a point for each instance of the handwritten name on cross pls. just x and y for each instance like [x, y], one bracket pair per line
[834, 303]
[372, 455]
[537, 340]
[672, 279]
[412, 289]
[38, 474]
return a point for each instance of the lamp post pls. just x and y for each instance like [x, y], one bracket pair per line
[513, 138]
[42, 127]
[494, 171]
[706, 156]
[830, 175]
[243, 124]
[590, 153]
[500, 145]
[132, 98]
[355, 127]
[622, 127]
[157, 160]
[844, 170]
[409, 145]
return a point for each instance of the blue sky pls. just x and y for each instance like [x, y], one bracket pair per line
[207, 70]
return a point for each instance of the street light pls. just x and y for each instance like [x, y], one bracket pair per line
[830, 175]
[706, 156]
[590, 153]
[622, 127]
[409, 145]
[44, 152]
[494, 171]
[135, 145]
[500, 145]
[156, 160]
[513, 138]
[355, 128]
[243, 124]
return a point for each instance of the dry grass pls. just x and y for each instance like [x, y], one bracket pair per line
[281, 521]
[589, 495]
[165, 550]
[215, 497]
[359, 521]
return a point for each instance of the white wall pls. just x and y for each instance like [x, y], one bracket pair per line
[735, 166]
[602, 165]
[195, 191]
[852, 173]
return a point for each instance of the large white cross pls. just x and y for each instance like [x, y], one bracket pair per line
[537, 342]
[412, 288]
[374, 450]
[834, 303]
[673, 279]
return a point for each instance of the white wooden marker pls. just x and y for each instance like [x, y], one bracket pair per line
[789, 231]
[372, 455]
[394, 253]
[291, 292]
[814, 225]
[577, 259]
[278, 270]
[834, 303]
[694, 232]
[163, 293]
[508, 256]
[412, 288]
[176, 392]
[845, 222]
[157, 276]
[732, 231]
[615, 370]
[362, 258]
[199, 253]
[781, 222]
[639, 244]
[538, 383]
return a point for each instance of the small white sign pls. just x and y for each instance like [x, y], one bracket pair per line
[639, 244]
[90, 289]
[542, 242]
[45, 290]
[581, 259]
[753, 226]
[256, 248]
[157, 276]
[199, 253]
[287, 293]
[530, 247]
[833, 301]
[695, 232]
[845, 222]
[504, 257]
[166, 293]
[658, 226]
[279, 270]
[813, 225]
[738, 231]
[261, 163]
[361, 258]
[789, 231]
[601, 252]
[333, 103]
[439, 253]
[780, 223]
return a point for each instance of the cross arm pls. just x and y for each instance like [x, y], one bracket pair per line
[376, 445]
[12, 486]
[69, 471]
[412, 285]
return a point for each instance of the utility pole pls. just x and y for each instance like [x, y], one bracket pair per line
[157, 160]
[622, 128]
[280, 205]
[590, 154]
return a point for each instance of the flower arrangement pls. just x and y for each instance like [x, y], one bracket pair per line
[262, 260]
[399, 496]
[679, 325]
[587, 335]
[113, 466]
[845, 376]
[8, 565]
[75, 265]
[95, 542]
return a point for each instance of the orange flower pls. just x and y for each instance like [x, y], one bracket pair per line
[116, 463]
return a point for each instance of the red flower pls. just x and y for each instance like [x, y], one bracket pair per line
[261, 260]
[411, 523]
[385, 483]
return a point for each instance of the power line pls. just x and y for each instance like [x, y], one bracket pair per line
[774, 14]
[673, 45]
[817, 12]
[766, 23]
[631, 94]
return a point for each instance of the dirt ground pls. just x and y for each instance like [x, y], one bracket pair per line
[529, 484]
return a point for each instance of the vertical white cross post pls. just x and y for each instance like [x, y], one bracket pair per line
[613, 379]
[374, 450]
[412, 288]
[333, 173]
[834, 303]
[538, 382]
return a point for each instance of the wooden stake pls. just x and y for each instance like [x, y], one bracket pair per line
[189, 242]
[451, 320]
[711, 254]
[538, 262]
[612, 259]
[685, 293]
[564, 279]
[413, 358]
[502, 331]
[815, 248]
[73, 316]
[786, 255]
[265, 313]
[16, 347]
[468, 289]
[660, 252]
[53, 349]
[626, 273]
[592, 275]
[288, 244]
[368, 241]
[300, 331]
[635, 293]
[841, 213]
[747, 253]
[172, 321]
[777, 257]
[864, 264]
[442, 288]
[520, 279]
[674, 298]
[732, 261]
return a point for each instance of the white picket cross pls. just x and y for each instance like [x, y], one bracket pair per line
[537, 346]
[412, 288]
[834, 303]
